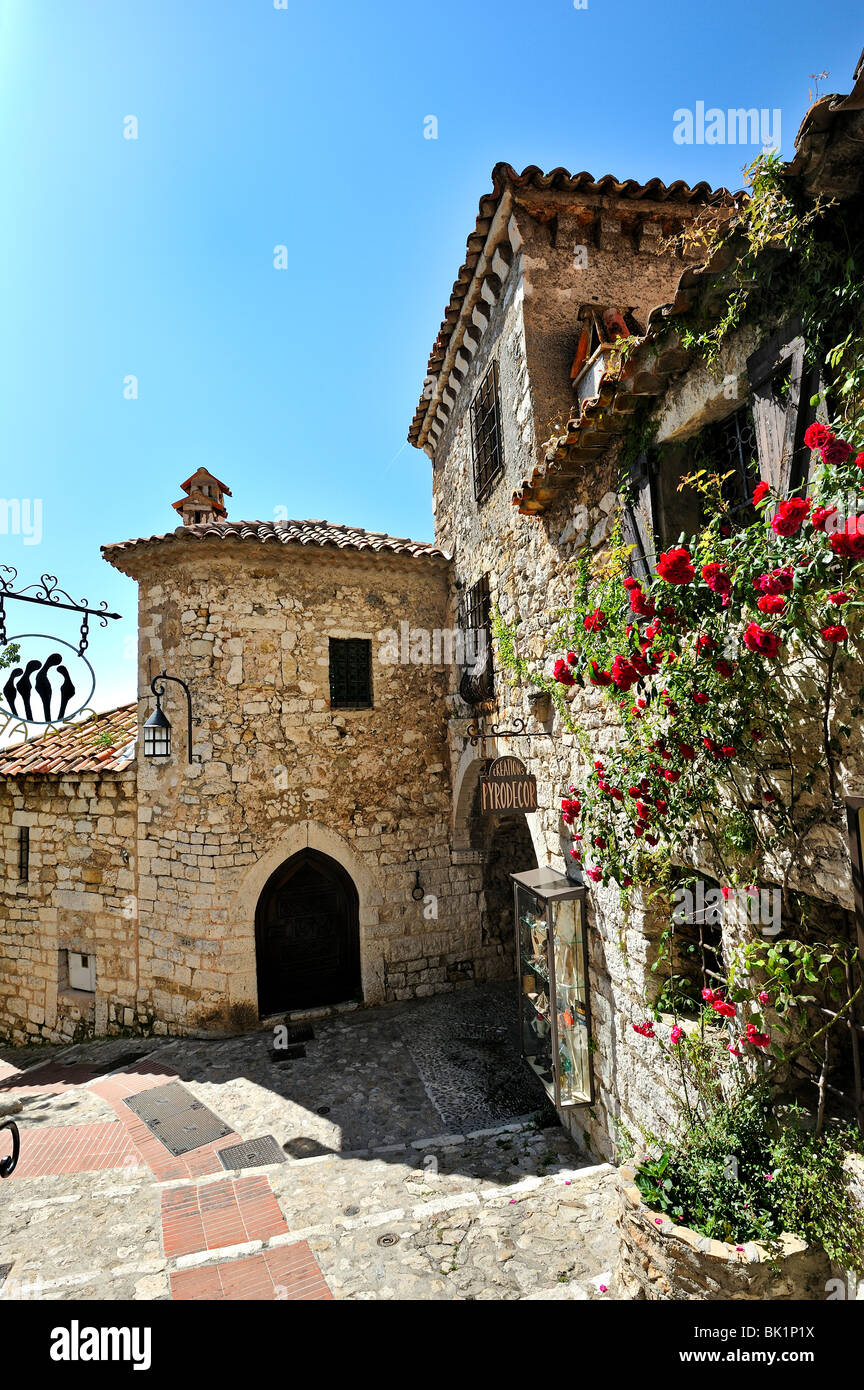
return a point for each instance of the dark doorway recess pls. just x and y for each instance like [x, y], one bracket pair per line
[307, 936]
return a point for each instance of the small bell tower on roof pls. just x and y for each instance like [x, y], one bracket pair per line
[204, 500]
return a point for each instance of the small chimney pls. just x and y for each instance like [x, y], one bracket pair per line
[203, 502]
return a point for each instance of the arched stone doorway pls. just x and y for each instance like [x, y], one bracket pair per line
[307, 935]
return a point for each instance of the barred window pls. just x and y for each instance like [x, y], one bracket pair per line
[698, 935]
[23, 853]
[476, 623]
[732, 449]
[350, 673]
[486, 441]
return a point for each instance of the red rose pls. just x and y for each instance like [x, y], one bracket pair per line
[716, 578]
[687, 751]
[599, 677]
[850, 541]
[640, 605]
[756, 639]
[623, 673]
[789, 516]
[859, 460]
[839, 598]
[676, 567]
[817, 435]
[594, 874]
[838, 633]
[761, 490]
[721, 1007]
[700, 697]
[671, 775]
[646, 1029]
[771, 603]
[705, 644]
[724, 668]
[836, 451]
[594, 622]
[821, 516]
[775, 581]
[562, 673]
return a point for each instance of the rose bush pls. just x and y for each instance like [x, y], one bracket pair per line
[696, 661]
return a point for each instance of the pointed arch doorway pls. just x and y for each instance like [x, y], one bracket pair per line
[307, 935]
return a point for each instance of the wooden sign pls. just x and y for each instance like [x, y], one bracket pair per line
[506, 785]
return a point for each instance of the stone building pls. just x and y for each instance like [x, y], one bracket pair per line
[323, 839]
[299, 853]
[529, 419]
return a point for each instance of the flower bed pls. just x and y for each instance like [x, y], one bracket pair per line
[660, 1260]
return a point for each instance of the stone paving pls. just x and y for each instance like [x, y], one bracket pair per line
[423, 1163]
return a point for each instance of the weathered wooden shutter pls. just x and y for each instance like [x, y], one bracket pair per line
[777, 375]
[637, 518]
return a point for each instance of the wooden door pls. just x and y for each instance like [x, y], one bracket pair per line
[307, 936]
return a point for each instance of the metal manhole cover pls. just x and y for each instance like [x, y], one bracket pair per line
[179, 1121]
[252, 1153]
[390, 1238]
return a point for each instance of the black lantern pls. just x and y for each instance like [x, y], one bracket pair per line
[157, 734]
[157, 729]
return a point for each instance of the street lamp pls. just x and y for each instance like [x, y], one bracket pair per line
[157, 729]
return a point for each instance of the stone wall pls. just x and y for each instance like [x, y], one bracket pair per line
[248, 627]
[531, 331]
[80, 896]
[660, 1260]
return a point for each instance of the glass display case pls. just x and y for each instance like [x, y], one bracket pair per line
[552, 970]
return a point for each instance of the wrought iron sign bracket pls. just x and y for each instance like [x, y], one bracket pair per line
[477, 735]
[48, 594]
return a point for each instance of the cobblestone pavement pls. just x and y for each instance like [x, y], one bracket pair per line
[421, 1163]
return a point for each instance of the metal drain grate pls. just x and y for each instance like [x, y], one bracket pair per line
[252, 1153]
[179, 1121]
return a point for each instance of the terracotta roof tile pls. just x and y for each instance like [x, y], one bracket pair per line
[76, 747]
[315, 533]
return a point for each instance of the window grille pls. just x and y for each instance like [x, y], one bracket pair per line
[476, 623]
[350, 673]
[23, 853]
[731, 448]
[486, 441]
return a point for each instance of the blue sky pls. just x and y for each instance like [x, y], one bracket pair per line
[300, 126]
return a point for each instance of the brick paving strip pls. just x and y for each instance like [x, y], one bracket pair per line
[228, 1215]
[74, 1149]
[214, 1215]
[290, 1273]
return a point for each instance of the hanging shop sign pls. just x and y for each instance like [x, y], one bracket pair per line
[507, 785]
[43, 679]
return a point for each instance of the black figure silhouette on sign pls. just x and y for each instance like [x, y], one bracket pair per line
[25, 685]
[19, 686]
[9, 690]
[42, 685]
